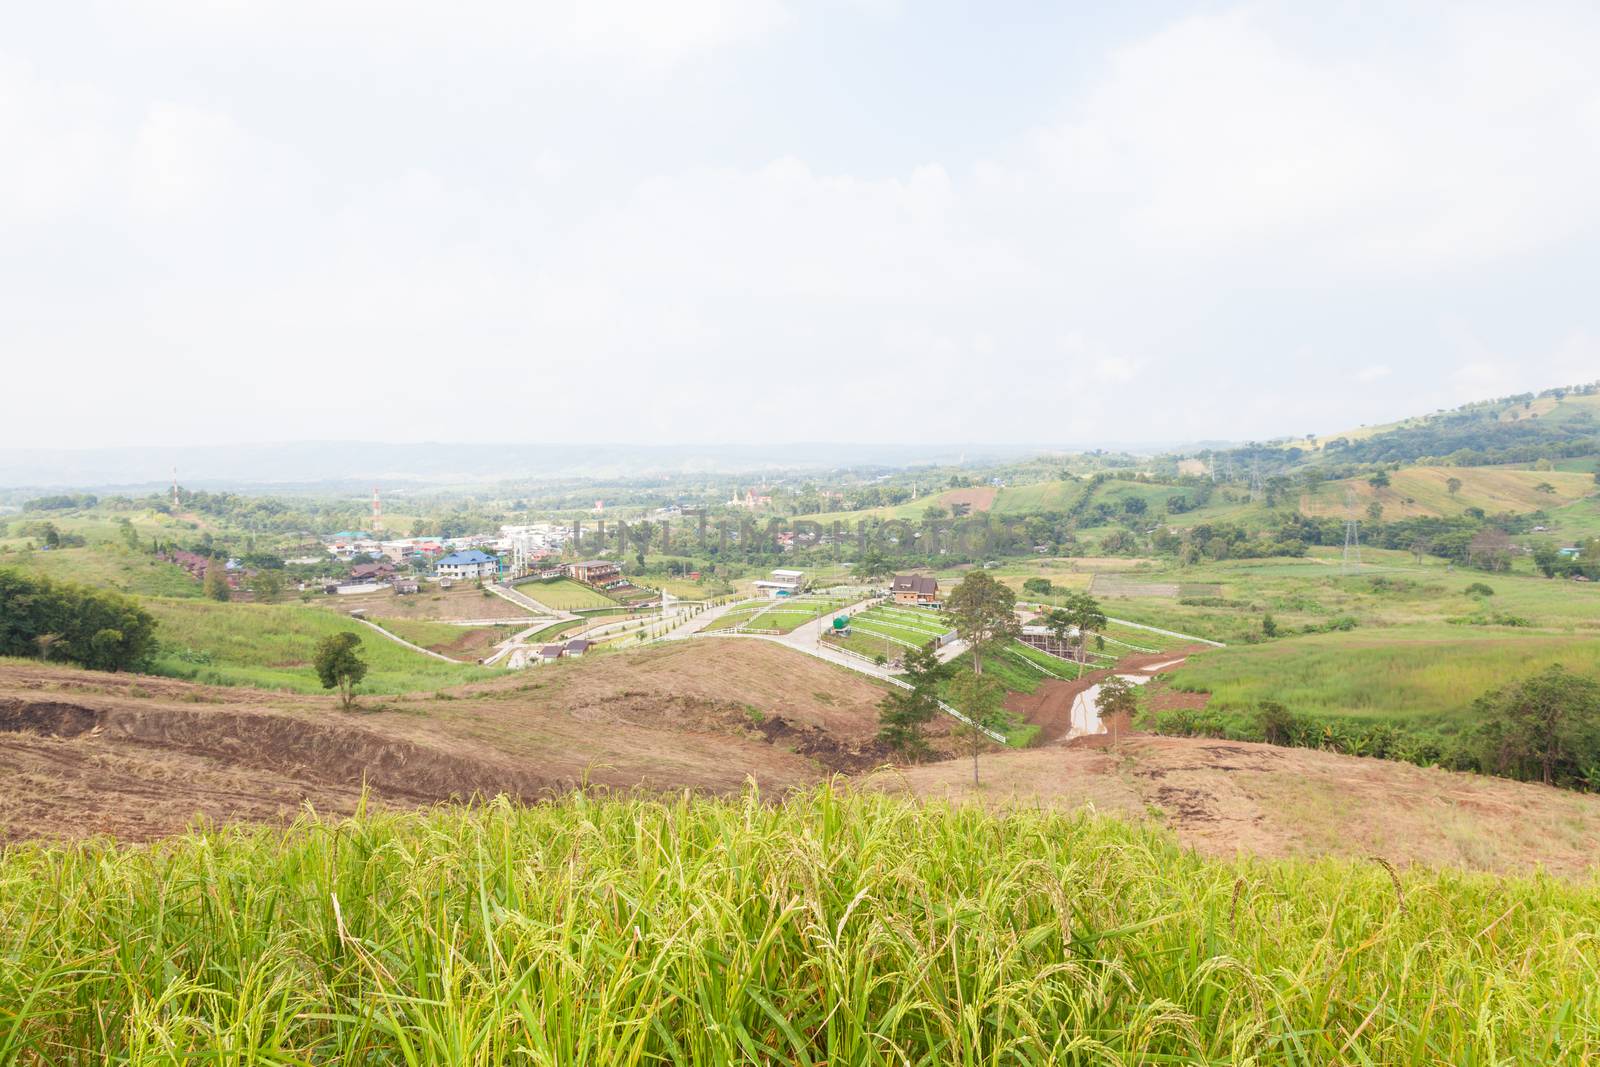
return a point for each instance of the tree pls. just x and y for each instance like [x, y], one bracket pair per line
[216, 582]
[980, 697]
[904, 712]
[1453, 485]
[266, 585]
[1269, 625]
[1550, 721]
[984, 613]
[1375, 511]
[1086, 618]
[1059, 622]
[1490, 549]
[340, 666]
[1037, 586]
[94, 628]
[1116, 702]
[1419, 548]
[1379, 480]
[871, 566]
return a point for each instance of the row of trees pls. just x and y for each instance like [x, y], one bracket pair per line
[71, 623]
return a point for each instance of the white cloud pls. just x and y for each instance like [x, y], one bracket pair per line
[628, 35]
[561, 188]
[1230, 133]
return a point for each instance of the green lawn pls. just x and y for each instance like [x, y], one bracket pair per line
[785, 615]
[564, 594]
[271, 645]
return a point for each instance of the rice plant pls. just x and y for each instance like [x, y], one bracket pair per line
[833, 927]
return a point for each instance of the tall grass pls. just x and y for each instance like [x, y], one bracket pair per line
[838, 929]
[272, 645]
[1428, 673]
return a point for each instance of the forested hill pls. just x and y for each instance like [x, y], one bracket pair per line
[1554, 424]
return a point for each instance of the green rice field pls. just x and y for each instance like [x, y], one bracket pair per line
[833, 927]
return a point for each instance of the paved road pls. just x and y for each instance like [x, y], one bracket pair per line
[806, 638]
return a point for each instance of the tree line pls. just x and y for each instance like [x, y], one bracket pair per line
[71, 623]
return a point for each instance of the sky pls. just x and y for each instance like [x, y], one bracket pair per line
[707, 221]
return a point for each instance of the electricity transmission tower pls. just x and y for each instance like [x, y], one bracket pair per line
[1352, 535]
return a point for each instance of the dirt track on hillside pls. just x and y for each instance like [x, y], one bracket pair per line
[1049, 707]
[1225, 797]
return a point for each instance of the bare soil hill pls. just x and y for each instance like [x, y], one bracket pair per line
[1223, 797]
[85, 752]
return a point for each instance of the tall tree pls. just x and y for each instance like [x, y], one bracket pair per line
[980, 697]
[1550, 721]
[1087, 618]
[984, 613]
[904, 713]
[340, 666]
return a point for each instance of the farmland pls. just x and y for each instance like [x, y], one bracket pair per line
[888, 631]
[582, 931]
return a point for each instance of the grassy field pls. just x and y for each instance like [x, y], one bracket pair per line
[106, 566]
[564, 594]
[1425, 491]
[1429, 672]
[270, 645]
[832, 928]
[786, 614]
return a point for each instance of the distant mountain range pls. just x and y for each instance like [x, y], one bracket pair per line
[328, 464]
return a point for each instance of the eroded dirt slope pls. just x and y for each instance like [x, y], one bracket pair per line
[84, 752]
[1223, 797]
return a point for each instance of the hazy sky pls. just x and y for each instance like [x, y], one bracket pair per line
[714, 220]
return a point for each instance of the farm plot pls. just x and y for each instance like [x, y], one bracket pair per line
[889, 631]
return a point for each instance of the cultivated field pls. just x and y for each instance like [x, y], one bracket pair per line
[835, 927]
[889, 631]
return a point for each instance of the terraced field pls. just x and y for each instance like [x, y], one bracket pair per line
[889, 631]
